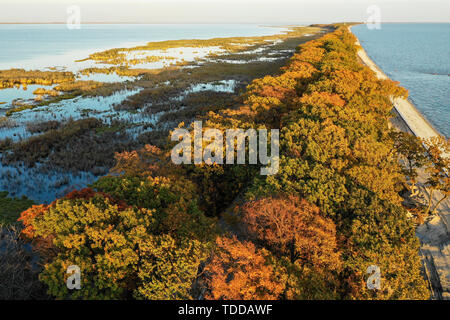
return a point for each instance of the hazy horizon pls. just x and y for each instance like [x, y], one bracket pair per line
[222, 12]
[262, 23]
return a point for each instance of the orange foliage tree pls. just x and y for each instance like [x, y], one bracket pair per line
[295, 228]
[238, 270]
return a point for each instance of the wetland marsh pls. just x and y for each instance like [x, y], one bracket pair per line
[60, 126]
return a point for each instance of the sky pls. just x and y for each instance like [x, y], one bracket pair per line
[225, 11]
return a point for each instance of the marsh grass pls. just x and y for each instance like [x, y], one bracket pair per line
[18, 107]
[42, 92]
[79, 86]
[40, 127]
[6, 122]
[6, 144]
[17, 77]
[230, 44]
[119, 57]
[69, 91]
[86, 145]
[199, 104]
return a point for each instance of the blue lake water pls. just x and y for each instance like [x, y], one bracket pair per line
[37, 46]
[417, 55]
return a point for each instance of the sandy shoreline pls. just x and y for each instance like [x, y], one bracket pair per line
[413, 119]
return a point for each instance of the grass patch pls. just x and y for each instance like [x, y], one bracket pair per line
[10, 208]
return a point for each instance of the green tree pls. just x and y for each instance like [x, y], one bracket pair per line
[438, 169]
[411, 149]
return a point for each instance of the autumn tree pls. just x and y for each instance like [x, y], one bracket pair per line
[97, 237]
[169, 267]
[438, 169]
[240, 271]
[119, 250]
[124, 247]
[379, 233]
[336, 147]
[411, 149]
[143, 162]
[303, 242]
[174, 200]
[295, 228]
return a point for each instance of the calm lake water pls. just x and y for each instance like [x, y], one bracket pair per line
[417, 55]
[38, 46]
